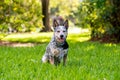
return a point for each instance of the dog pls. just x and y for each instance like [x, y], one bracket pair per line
[57, 49]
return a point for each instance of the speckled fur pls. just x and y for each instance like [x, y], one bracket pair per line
[57, 50]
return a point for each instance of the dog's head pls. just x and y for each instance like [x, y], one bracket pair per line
[60, 30]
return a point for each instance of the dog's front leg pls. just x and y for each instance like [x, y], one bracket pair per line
[64, 59]
[51, 60]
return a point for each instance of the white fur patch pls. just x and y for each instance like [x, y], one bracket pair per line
[44, 59]
[62, 53]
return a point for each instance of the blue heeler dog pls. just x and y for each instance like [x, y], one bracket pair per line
[57, 49]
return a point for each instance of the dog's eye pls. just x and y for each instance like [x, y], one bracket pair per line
[64, 31]
[58, 31]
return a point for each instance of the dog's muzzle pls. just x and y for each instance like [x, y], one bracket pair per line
[61, 39]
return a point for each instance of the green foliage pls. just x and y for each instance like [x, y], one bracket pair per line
[92, 13]
[20, 15]
[64, 8]
[99, 15]
[86, 61]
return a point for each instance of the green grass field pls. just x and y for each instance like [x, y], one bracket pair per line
[86, 60]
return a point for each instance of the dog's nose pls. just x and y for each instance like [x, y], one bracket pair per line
[61, 36]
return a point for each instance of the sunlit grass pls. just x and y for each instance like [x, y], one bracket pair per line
[79, 37]
[43, 37]
[2, 36]
[28, 37]
[86, 60]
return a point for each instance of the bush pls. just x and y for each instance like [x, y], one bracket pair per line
[102, 16]
[20, 15]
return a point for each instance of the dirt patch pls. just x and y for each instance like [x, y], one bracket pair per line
[16, 44]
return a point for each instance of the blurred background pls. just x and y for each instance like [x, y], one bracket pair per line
[101, 17]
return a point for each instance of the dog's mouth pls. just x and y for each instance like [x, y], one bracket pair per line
[61, 39]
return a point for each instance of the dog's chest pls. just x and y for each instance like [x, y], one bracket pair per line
[58, 50]
[61, 53]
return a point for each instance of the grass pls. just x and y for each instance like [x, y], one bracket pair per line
[28, 37]
[86, 60]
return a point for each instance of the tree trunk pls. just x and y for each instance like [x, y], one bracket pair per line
[45, 13]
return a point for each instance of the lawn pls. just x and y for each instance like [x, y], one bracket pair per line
[86, 60]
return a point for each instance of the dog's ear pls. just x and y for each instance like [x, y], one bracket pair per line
[55, 23]
[66, 24]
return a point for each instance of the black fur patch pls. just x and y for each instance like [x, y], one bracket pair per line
[65, 45]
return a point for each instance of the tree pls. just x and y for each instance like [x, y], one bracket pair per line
[45, 13]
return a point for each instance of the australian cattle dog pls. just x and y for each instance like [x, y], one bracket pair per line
[57, 49]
